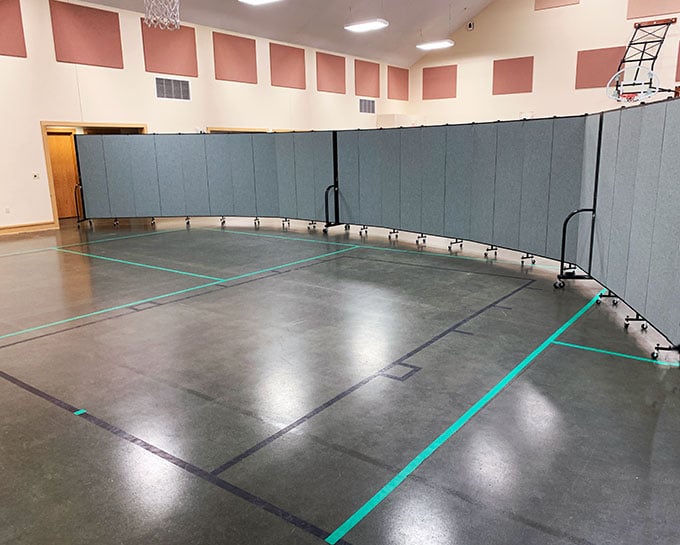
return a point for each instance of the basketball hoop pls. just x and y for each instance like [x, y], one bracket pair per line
[163, 14]
[633, 84]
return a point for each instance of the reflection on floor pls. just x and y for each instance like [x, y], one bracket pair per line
[167, 385]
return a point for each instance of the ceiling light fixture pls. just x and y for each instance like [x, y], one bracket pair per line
[439, 44]
[367, 26]
[258, 2]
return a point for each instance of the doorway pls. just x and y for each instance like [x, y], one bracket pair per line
[62, 164]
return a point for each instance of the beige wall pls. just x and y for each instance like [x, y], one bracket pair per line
[511, 28]
[39, 89]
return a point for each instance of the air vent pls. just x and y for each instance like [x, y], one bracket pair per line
[366, 106]
[173, 88]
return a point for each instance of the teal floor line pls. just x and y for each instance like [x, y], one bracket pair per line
[616, 354]
[382, 249]
[136, 264]
[386, 490]
[283, 237]
[172, 294]
[86, 243]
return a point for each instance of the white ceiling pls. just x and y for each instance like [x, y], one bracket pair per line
[319, 23]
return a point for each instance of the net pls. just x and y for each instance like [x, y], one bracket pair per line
[633, 84]
[163, 14]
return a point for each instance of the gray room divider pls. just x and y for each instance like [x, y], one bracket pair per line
[508, 184]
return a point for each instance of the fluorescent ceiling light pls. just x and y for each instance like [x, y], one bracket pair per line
[367, 26]
[258, 2]
[439, 44]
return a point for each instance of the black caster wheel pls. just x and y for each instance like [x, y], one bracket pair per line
[625, 325]
[558, 285]
[533, 262]
[598, 302]
[615, 302]
[655, 355]
[325, 231]
[153, 221]
[644, 327]
[347, 227]
[486, 254]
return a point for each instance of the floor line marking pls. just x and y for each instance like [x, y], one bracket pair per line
[318, 410]
[616, 354]
[166, 456]
[136, 264]
[386, 490]
[383, 249]
[166, 295]
[112, 239]
[281, 237]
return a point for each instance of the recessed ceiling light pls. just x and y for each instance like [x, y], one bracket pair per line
[258, 2]
[439, 44]
[367, 26]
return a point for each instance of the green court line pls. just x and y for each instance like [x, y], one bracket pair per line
[144, 265]
[80, 412]
[174, 293]
[38, 250]
[282, 237]
[386, 490]
[380, 248]
[617, 354]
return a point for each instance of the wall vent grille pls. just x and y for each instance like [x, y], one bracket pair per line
[173, 88]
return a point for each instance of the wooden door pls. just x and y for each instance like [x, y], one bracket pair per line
[64, 171]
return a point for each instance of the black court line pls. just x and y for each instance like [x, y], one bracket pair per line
[433, 267]
[314, 412]
[182, 464]
[555, 532]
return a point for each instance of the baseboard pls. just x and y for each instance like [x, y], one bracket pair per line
[28, 227]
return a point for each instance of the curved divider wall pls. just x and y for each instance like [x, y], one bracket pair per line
[509, 184]
[636, 251]
[265, 175]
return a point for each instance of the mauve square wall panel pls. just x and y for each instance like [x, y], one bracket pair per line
[595, 67]
[367, 79]
[440, 82]
[652, 8]
[330, 73]
[12, 42]
[511, 76]
[547, 4]
[287, 66]
[84, 35]
[397, 83]
[235, 58]
[171, 53]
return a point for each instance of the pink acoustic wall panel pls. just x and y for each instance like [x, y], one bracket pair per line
[652, 8]
[677, 70]
[595, 67]
[397, 83]
[287, 66]
[235, 58]
[170, 52]
[366, 79]
[511, 76]
[547, 4]
[330, 73]
[12, 43]
[440, 82]
[85, 35]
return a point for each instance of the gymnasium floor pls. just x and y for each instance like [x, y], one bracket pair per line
[283, 387]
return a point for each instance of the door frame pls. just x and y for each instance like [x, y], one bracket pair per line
[72, 127]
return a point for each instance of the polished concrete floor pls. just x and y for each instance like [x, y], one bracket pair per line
[257, 386]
